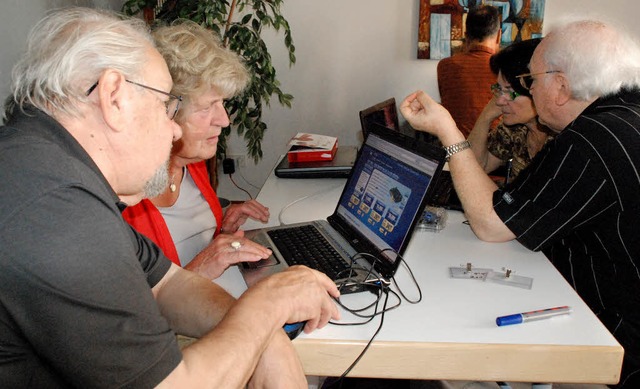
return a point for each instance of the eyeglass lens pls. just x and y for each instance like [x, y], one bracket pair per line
[497, 91]
[526, 81]
[173, 106]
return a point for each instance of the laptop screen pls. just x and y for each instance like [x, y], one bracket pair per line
[383, 113]
[387, 190]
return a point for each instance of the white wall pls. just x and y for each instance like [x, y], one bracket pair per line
[16, 19]
[352, 54]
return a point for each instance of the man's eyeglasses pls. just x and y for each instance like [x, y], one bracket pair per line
[498, 91]
[526, 80]
[172, 105]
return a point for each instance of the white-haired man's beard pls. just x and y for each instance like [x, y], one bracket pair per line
[158, 183]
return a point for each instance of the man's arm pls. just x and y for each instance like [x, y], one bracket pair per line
[192, 304]
[473, 186]
[236, 335]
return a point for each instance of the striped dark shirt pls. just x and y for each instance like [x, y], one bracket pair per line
[579, 202]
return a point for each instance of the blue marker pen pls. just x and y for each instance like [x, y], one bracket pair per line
[533, 315]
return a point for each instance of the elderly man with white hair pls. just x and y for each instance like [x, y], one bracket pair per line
[85, 300]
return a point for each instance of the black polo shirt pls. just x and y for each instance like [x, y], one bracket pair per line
[76, 307]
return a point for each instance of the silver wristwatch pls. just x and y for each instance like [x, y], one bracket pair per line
[456, 148]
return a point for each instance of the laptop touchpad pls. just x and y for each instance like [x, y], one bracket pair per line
[266, 262]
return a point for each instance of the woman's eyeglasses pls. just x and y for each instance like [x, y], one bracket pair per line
[498, 91]
[526, 80]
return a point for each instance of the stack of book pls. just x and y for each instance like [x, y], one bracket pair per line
[306, 147]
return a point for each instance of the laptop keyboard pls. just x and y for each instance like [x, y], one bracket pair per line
[442, 189]
[304, 245]
[444, 193]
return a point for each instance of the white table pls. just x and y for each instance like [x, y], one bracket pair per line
[451, 333]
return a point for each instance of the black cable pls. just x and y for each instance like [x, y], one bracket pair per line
[367, 282]
[369, 317]
[384, 307]
[234, 183]
[353, 278]
[382, 287]
[247, 181]
[415, 282]
[355, 362]
[373, 265]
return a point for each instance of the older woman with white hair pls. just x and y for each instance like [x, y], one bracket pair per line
[186, 220]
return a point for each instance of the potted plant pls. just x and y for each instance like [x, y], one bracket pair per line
[239, 23]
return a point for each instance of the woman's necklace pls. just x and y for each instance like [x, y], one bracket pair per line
[172, 185]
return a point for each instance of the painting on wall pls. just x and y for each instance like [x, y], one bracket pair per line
[441, 26]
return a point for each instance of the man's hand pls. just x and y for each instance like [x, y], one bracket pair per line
[232, 352]
[298, 294]
[424, 114]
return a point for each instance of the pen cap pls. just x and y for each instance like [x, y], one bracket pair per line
[507, 320]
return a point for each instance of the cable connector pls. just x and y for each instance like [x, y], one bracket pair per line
[228, 166]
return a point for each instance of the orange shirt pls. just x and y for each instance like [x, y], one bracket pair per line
[464, 81]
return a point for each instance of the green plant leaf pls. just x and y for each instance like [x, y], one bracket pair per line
[246, 19]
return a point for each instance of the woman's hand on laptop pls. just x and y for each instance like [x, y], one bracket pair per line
[237, 214]
[226, 250]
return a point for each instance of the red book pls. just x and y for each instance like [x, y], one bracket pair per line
[306, 147]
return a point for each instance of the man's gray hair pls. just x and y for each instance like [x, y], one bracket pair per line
[596, 58]
[68, 50]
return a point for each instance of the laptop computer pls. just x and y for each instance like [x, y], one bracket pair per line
[444, 193]
[383, 113]
[373, 221]
[339, 167]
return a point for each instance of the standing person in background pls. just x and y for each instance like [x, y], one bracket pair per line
[465, 79]
[186, 219]
[519, 136]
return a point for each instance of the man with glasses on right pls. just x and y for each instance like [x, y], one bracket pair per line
[579, 200]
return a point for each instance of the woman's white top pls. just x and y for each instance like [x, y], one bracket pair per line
[190, 220]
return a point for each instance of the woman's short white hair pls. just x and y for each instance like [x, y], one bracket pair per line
[68, 50]
[198, 60]
[597, 58]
